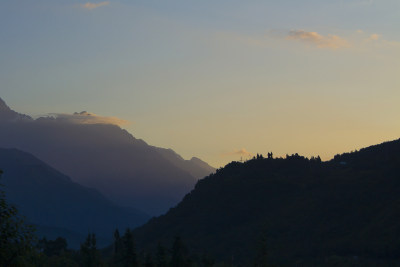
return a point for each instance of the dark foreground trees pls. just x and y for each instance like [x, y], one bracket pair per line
[16, 237]
[20, 247]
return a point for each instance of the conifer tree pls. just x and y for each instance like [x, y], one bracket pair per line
[179, 254]
[261, 259]
[148, 261]
[130, 256]
[118, 248]
[161, 256]
[89, 254]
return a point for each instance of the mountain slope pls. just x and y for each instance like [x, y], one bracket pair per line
[105, 157]
[50, 199]
[6, 114]
[310, 212]
[195, 166]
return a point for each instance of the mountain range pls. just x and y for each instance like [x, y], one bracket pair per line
[58, 206]
[291, 211]
[103, 156]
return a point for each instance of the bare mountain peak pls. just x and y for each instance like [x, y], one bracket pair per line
[3, 105]
[202, 164]
[196, 159]
[7, 114]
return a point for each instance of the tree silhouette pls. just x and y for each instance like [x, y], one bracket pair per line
[16, 237]
[261, 259]
[179, 254]
[148, 261]
[161, 256]
[118, 249]
[53, 247]
[130, 256]
[89, 253]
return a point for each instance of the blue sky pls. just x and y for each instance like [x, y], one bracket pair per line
[214, 79]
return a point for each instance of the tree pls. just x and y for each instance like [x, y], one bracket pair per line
[207, 261]
[161, 256]
[130, 256]
[16, 237]
[179, 254]
[53, 247]
[261, 259]
[118, 248]
[148, 261]
[89, 253]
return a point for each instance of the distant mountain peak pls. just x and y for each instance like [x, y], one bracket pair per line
[202, 163]
[196, 159]
[3, 106]
[195, 166]
[7, 114]
[84, 146]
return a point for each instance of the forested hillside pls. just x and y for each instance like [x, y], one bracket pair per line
[292, 210]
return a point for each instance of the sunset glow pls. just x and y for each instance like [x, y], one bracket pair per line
[210, 78]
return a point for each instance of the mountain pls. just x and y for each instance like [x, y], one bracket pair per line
[6, 114]
[295, 211]
[105, 157]
[58, 206]
[195, 166]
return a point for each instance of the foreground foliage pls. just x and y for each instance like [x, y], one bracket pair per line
[16, 237]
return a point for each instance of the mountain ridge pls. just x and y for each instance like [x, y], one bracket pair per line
[49, 198]
[310, 213]
[7, 114]
[103, 156]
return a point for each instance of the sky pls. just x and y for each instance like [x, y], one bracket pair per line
[220, 80]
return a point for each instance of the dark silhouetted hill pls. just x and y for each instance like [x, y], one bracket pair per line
[344, 212]
[57, 205]
[105, 157]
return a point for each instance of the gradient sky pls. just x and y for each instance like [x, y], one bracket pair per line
[214, 79]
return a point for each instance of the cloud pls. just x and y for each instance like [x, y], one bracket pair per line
[88, 118]
[374, 37]
[240, 152]
[375, 40]
[91, 6]
[330, 41]
[355, 39]
[364, 38]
